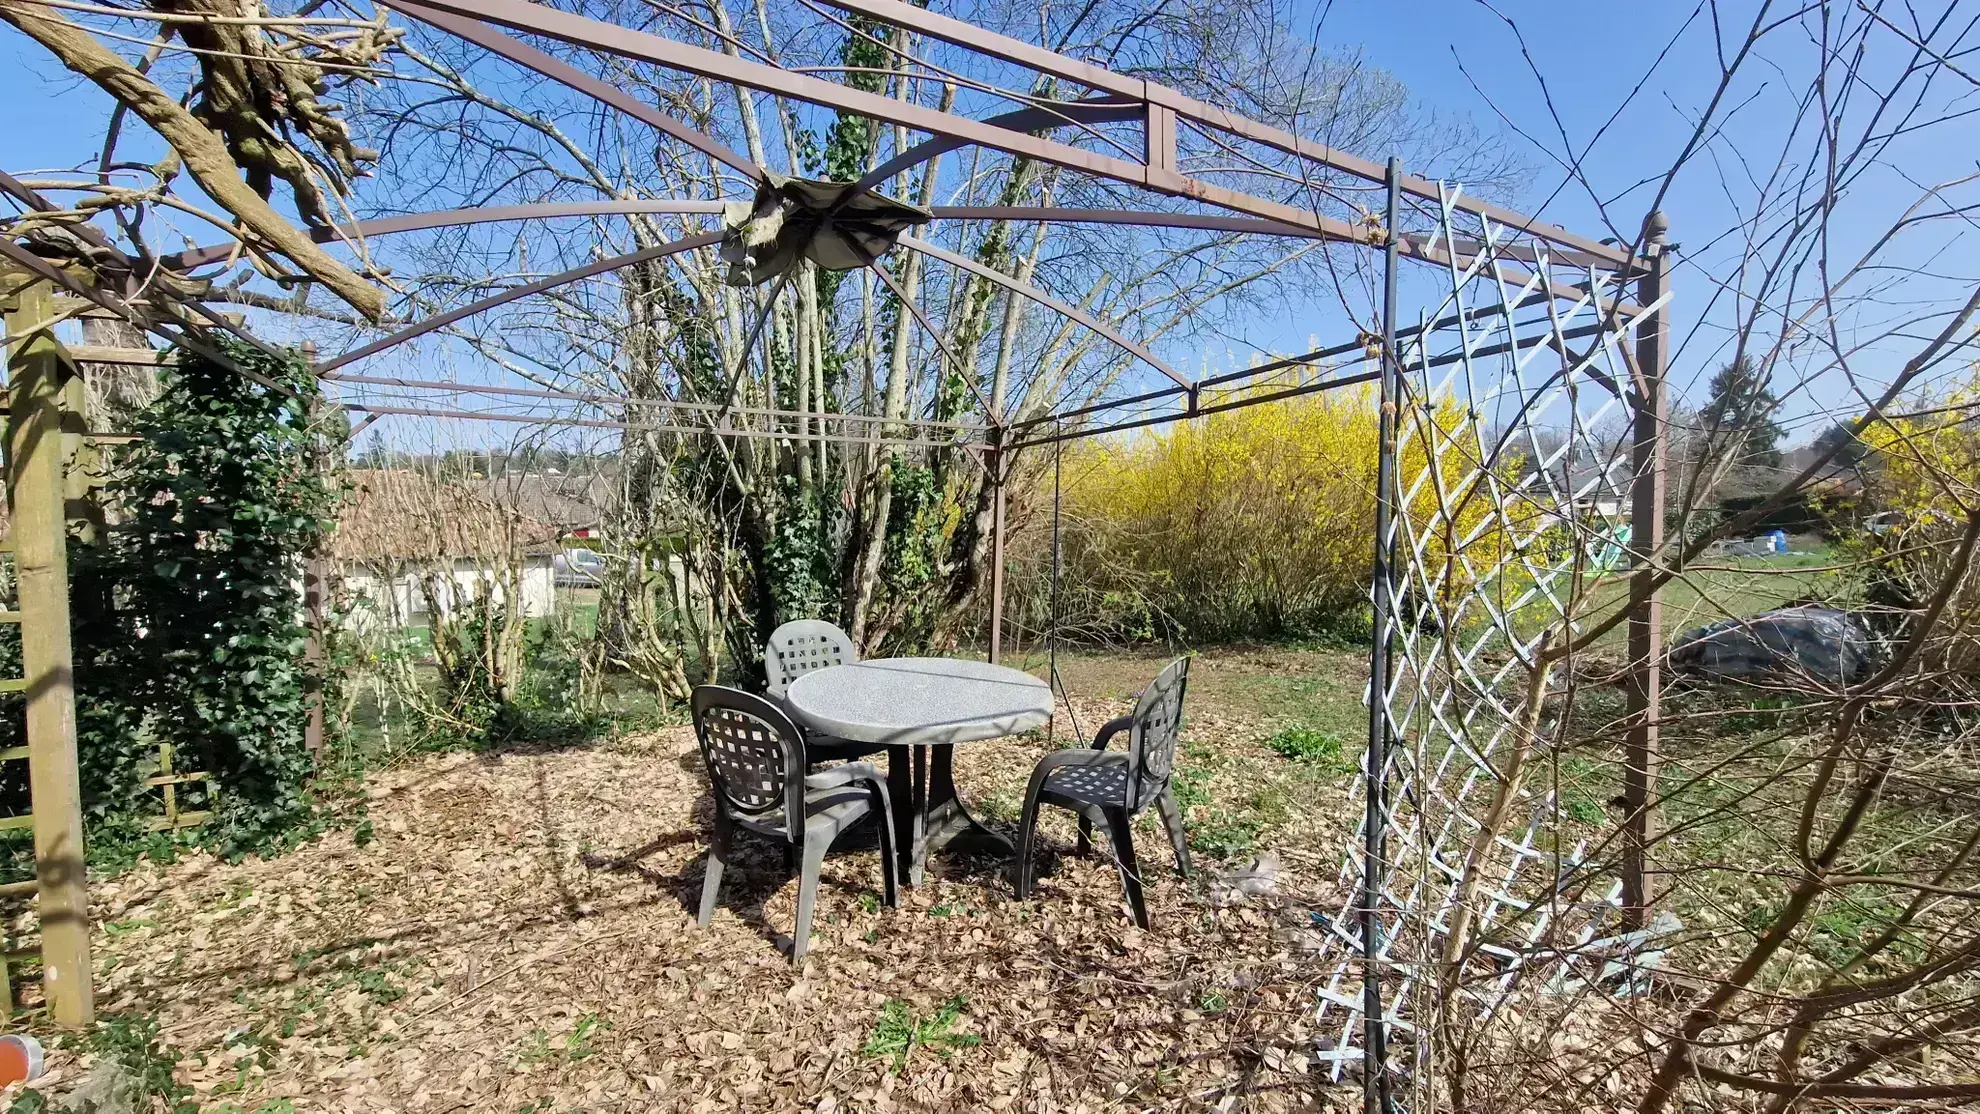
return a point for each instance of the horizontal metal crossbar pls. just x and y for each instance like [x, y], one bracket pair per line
[628, 400]
[655, 427]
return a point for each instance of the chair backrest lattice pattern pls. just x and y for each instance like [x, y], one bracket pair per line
[800, 646]
[754, 755]
[1503, 485]
[1157, 725]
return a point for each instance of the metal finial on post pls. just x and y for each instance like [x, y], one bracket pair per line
[1656, 227]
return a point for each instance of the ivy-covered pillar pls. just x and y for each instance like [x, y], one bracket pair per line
[38, 368]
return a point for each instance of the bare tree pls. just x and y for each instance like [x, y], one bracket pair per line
[1814, 851]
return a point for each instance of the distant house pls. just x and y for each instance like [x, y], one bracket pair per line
[572, 503]
[409, 543]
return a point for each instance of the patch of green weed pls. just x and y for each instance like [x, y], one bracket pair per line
[378, 987]
[1226, 836]
[899, 1032]
[131, 1041]
[580, 1044]
[1191, 787]
[1311, 747]
[1763, 713]
[537, 1050]
[117, 930]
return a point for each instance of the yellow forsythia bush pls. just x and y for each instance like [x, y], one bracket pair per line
[1926, 467]
[1251, 522]
[1923, 474]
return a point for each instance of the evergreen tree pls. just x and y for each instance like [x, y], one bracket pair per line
[1849, 451]
[1739, 415]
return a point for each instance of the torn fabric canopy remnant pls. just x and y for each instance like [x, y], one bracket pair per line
[794, 218]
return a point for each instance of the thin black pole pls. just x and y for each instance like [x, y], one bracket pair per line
[1052, 634]
[1375, 1096]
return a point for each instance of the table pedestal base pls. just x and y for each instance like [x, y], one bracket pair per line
[928, 815]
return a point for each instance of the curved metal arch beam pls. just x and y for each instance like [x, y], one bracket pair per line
[1053, 214]
[445, 218]
[1044, 299]
[1156, 171]
[1422, 248]
[941, 340]
[441, 321]
[528, 56]
[1416, 247]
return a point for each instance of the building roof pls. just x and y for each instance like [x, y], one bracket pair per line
[412, 514]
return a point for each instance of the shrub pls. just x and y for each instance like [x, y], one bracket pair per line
[1257, 522]
[187, 613]
[1924, 472]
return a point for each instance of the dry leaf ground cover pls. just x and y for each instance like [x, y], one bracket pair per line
[514, 932]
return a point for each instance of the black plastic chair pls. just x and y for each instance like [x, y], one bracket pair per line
[1109, 789]
[755, 758]
[799, 647]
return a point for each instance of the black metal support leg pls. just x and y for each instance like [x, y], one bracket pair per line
[904, 785]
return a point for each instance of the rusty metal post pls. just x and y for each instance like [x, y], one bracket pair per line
[36, 488]
[1644, 687]
[1375, 1091]
[994, 460]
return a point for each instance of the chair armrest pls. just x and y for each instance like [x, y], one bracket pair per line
[1109, 729]
[845, 773]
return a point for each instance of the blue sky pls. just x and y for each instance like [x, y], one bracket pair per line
[1589, 55]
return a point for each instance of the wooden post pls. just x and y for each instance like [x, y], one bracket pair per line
[36, 487]
[1644, 688]
[996, 463]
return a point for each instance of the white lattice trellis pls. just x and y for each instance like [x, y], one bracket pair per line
[1490, 538]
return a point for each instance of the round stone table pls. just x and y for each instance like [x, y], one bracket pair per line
[919, 709]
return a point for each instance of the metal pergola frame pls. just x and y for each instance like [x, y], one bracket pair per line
[1107, 97]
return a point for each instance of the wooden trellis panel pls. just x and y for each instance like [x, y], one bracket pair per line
[47, 392]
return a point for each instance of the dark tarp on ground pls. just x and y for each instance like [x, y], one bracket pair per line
[1822, 644]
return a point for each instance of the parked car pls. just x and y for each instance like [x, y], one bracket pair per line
[1883, 522]
[579, 568]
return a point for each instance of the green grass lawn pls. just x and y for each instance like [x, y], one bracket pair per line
[1712, 589]
[1727, 587]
